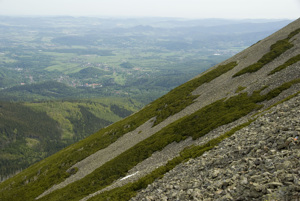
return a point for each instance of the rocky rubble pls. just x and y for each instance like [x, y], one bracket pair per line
[259, 162]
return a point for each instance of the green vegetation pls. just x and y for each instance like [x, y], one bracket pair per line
[289, 62]
[89, 72]
[275, 51]
[126, 65]
[239, 89]
[279, 102]
[45, 90]
[26, 136]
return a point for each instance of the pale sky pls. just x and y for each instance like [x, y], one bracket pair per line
[239, 9]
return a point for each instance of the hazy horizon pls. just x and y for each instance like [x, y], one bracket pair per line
[189, 9]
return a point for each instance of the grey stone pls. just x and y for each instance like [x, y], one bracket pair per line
[226, 197]
[273, 185]
[243, 180]
[231, 172]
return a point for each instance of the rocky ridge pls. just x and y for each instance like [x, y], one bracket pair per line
[258, 162]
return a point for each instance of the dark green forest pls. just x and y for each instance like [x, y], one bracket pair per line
[26, 136]
[30, 132]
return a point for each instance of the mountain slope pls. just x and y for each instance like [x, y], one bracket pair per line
[183, 124]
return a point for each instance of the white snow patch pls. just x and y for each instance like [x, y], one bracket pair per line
[129, 176]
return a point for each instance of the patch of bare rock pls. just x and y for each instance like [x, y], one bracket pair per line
[259, 162]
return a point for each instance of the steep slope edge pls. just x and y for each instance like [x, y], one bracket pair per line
[203, 105]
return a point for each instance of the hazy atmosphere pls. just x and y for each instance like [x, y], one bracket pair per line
[288, 9]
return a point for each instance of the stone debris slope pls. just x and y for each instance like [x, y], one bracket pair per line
[224, 86]
[259, 162]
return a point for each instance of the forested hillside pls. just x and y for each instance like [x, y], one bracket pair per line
[30, 132]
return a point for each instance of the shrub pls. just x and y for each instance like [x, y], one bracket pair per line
[239, 89]
[289, 62]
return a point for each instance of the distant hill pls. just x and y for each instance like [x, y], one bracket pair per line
[46, 90]
[229, 133]
[89, 72]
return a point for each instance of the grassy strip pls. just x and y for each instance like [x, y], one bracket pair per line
[181, 97]
[275, 92]
[275, 104]
[196, 125]
[52, 170]
[289, 62]
[279, 102]
[276, 50]
[130, 190]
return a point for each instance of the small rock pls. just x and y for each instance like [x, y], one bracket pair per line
[255, 178]
[244, 181]
[273, 185]
[259, 187]
[215, 173]
[226, 197]
[285, 165]
[288, 178]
